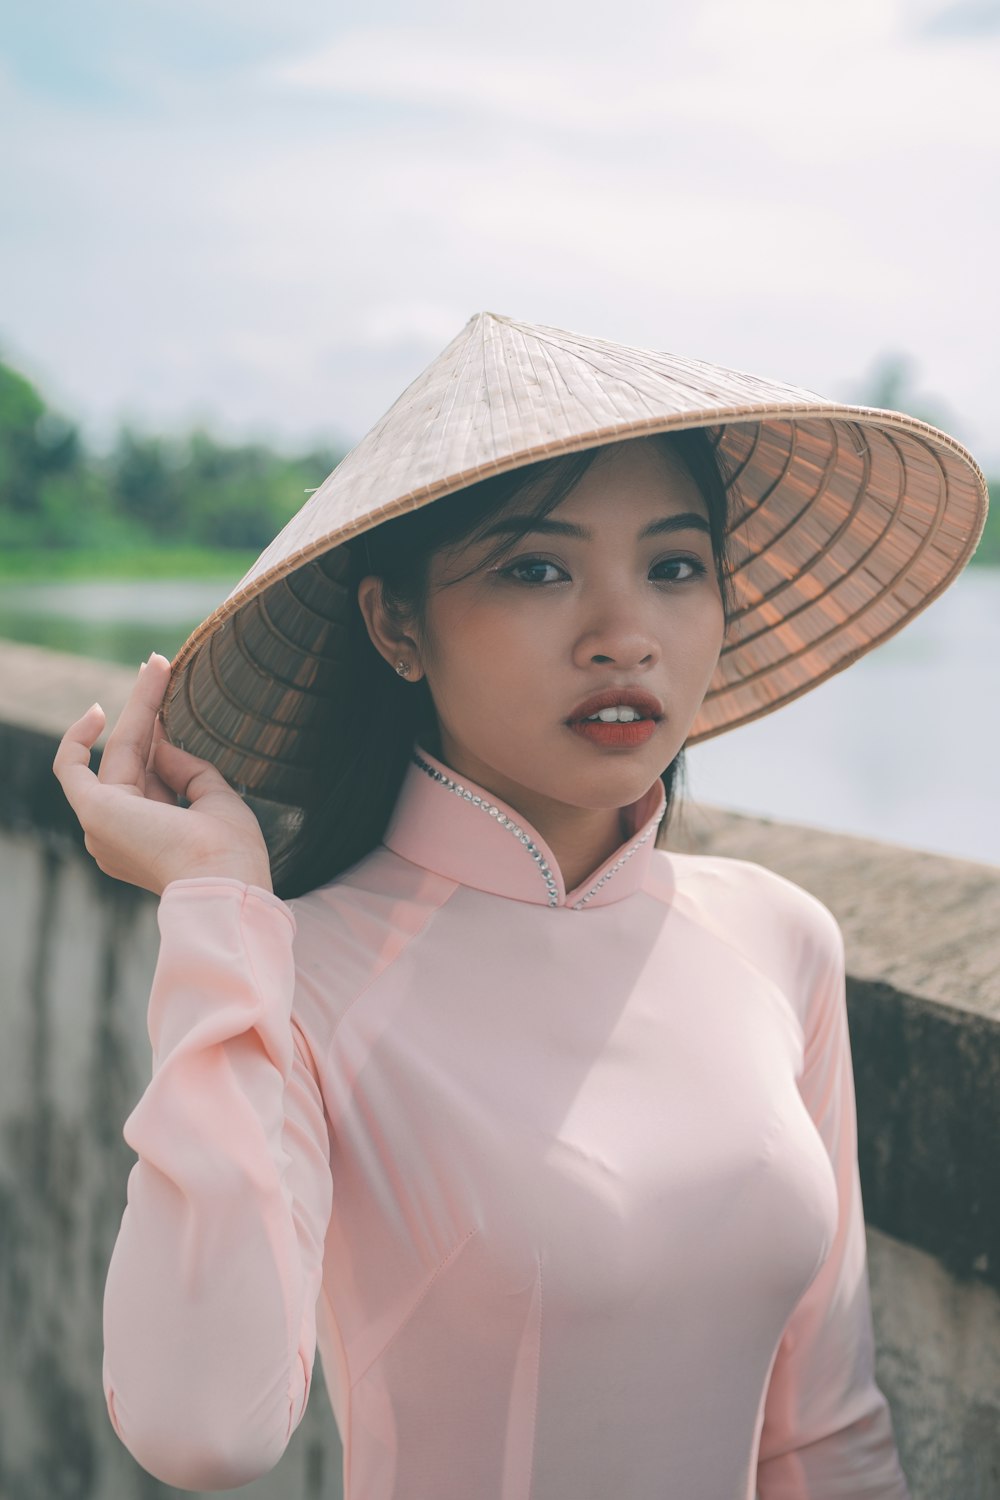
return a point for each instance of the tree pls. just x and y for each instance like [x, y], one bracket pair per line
[43, 471]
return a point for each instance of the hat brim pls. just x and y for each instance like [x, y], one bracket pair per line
[845, 522]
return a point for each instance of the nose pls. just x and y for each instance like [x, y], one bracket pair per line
[617, 636]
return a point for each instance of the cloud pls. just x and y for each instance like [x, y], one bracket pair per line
[284, 242]
[811, 82]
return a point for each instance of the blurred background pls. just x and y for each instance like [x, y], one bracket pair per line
[233, 232]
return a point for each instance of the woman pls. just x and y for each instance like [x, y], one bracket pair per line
[546, 1134]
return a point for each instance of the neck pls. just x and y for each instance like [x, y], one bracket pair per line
[581, 838]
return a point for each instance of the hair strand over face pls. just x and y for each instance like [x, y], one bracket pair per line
[390, 714]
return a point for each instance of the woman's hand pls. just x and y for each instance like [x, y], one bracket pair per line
[132, 824]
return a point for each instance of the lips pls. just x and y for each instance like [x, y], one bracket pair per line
[614, 736]
[637, 698]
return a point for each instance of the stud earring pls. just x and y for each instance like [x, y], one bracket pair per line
[403, 668]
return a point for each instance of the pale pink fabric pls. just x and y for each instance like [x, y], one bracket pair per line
[568, 1196]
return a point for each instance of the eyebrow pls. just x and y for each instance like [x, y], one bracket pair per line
[688, 520]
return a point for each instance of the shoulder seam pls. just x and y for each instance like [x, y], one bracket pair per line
[723, 937]
[720, 934]
[756, 864]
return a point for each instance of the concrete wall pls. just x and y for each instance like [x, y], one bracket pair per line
[76, 959]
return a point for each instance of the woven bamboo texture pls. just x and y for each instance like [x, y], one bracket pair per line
[844, 523]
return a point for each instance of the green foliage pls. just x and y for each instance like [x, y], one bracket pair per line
[42, 467]
[190, 491]
[988, 551]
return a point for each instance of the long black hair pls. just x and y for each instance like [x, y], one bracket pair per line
[389, 714]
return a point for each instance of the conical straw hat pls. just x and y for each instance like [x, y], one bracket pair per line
[845, 522]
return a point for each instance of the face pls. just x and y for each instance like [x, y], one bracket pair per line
[612, 591]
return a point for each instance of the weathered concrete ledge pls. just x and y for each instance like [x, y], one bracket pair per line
[41, 694]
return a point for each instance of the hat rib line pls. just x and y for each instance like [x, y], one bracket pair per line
[304, 604]
[241, 706]
[621, 377]
[220, 738]
[557, 379]
[845, 625]
[258, 667]
[834, 536]
[755, 444]
[769, 491]
[279, 634]
[858, 562]
[458, 383]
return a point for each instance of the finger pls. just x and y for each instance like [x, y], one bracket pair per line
[71, 764]
[188, 775]
[128, 746]
[157, 789]
[159, 734]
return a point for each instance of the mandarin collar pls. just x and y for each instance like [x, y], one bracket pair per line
[459, 830]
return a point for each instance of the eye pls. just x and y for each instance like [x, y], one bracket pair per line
[695, 564]
[529, 570]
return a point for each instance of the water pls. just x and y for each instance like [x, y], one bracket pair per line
[901, 746]
[117, 620]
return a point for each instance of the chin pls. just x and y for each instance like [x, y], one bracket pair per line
[609, 789]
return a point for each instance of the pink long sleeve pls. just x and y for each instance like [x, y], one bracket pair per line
[597, 1226]
[827, 1432]
[209, 1308]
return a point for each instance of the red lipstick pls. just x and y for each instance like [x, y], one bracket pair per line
[614, 735]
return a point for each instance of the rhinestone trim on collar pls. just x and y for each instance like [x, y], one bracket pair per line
[502, 819]
[529, 844]
[613, 869]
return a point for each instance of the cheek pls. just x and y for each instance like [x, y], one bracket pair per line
[713, 628]
[690, 624]
[481, 651]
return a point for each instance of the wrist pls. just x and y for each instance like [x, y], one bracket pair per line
[249, 872]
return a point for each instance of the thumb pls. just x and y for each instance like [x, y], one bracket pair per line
[186, 774]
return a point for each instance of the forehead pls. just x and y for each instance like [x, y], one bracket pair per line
[636, 475]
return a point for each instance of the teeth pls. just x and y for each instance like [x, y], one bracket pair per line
[620, 715]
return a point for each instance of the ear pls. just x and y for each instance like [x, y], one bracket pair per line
[388, 635]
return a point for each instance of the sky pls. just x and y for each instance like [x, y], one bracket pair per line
[269, 218]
